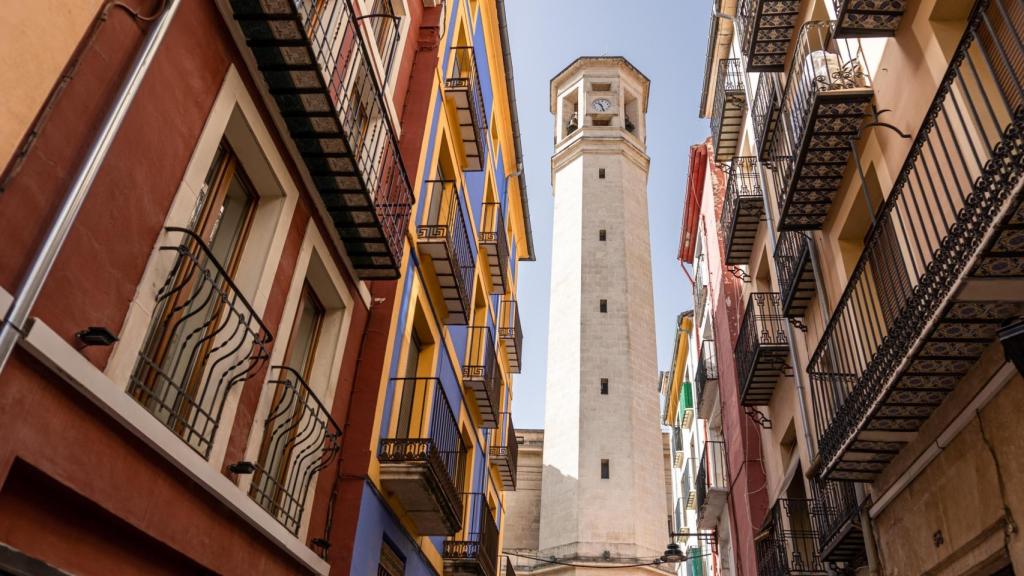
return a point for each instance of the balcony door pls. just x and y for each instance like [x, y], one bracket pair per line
[193, 314]
[290, 413]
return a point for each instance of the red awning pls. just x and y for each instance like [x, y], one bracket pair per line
[691, 211]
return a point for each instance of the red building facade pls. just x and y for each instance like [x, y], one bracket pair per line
[245, 268]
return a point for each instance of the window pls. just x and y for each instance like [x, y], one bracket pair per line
[600, 173]
[391, 562]
[385, 33]
[405, 409]
[602, 235]
[604, 386]
[289, 413]
[602, 121]
[604, 306]
[171, 378]
[605, 473]
[603, 87]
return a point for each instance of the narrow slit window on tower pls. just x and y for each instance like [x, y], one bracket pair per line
[602, 235]
[600, 173]
[604, 306]
[605, 474]
[604, 386]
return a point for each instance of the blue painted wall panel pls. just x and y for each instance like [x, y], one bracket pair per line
[375, 520]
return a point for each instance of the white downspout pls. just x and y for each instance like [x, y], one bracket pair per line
[32, 284]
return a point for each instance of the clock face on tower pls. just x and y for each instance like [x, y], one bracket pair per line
[601, 105]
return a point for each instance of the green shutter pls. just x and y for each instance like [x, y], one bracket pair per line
[686, 404]
[695, 560]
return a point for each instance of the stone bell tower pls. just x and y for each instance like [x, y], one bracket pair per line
[603, 491]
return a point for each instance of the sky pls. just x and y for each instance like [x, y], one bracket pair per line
[667, 41]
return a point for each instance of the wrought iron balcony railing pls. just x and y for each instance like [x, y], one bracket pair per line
[445, 238]
[677, 446]
[689, 491]
[905, 331]
[463, 87]
[319, 70]
[204, 339]
[422, 457]
[707, 374]
[761, 348]
[474, 549]
[828, 93]
[505, 452]
[494, 241]
[510, 332]
[730, 105]
[795, 272]
[765, 112]
[700, 291]
[766, 28]
[787, 546]
[712, 484]
[481, 373]
[836, 516]
[868, 18]
[299, 440]
[742, 210]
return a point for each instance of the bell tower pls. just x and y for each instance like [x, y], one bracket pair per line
[603, 491]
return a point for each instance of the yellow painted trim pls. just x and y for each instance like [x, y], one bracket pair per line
[678, 367]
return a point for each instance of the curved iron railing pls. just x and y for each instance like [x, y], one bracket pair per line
[819, 64]
[204, 339]
[299, 440]
[958, 176]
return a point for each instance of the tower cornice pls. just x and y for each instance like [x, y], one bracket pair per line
[598, 145]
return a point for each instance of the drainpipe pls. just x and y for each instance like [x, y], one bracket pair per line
[31, 285]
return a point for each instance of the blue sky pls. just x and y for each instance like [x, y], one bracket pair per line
[667, 41]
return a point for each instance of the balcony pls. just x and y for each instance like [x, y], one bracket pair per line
[481, 374]
[205, 339]
[761, 348]
[766, 28]
[422, 457]
[677, 446]
[686, 403]
[941, 268]
[836, 516]
[730, 105]
[795, 272]
[742, 211]
[315, 62]
[828, 93]
[494, 242]
[462, 88]
[787, 544]
[510, 332]
[473, 551]
[700, 291]
[765, 112]
[712, 484]
[868, 18]
[445, 239]
[706, 379]
[299, 440]
[505, 452]
[689, 492]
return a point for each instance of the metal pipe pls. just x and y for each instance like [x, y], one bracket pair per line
[32, 283]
